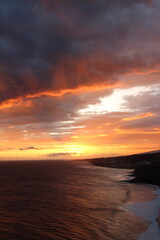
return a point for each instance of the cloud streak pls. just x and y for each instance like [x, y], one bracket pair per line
[60, 154]
[29, 148]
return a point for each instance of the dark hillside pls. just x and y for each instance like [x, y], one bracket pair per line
[146, 166]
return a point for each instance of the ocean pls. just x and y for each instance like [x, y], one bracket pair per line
[64, 200]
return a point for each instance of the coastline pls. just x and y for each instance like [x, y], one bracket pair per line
[148, 210]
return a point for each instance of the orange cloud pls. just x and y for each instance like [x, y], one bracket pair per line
[145, 71]
[25, 100]
[139, 116]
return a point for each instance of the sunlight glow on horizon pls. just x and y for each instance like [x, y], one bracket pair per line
[95, 132]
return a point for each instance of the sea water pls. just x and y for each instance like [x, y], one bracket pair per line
[61, 200]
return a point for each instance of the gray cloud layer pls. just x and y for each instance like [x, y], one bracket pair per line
[52, 45]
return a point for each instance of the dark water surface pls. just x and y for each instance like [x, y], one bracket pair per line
[61, 200]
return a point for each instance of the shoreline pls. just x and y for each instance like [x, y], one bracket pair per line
[146, 167]
[141, 208]
[147, 210]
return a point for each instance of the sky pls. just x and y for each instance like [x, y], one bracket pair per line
[79, 78]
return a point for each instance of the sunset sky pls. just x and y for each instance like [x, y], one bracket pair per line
[79, 78]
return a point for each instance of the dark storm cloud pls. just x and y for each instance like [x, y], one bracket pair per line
[52, 45]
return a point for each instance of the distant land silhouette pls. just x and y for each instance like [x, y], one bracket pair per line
[146, 166]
